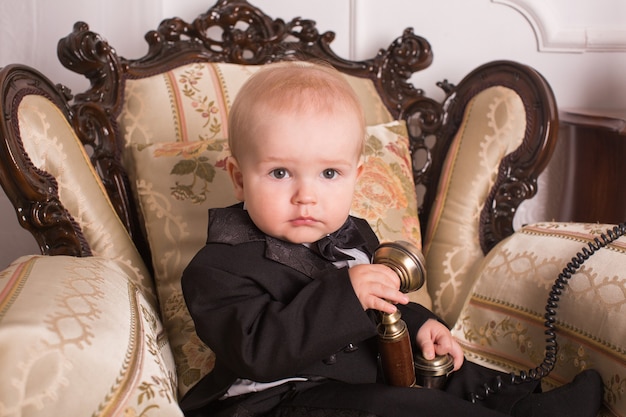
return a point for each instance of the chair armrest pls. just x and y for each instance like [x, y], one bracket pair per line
[69, 322]
[502, 322]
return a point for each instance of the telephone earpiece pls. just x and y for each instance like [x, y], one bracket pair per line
[406, 260]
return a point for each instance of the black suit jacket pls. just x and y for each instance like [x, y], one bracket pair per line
[270, 309]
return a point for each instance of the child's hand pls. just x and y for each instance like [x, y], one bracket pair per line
[377, 287]
[435, 338]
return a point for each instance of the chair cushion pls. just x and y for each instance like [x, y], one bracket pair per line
[79, 338]
[493, 126]
[502, 323]
[178, 182]
[51, 143]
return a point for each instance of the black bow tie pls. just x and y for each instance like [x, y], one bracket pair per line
[346, 237]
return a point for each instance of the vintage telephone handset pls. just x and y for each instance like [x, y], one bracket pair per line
[395, 347]
[394, 342]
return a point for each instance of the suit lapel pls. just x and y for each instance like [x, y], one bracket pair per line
[295, 256]
[232, 225]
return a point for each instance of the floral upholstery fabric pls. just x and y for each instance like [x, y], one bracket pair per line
[502, 323]
[78, 337]
[53, 147]
[178, 182]
[493, 126]
[191, 103]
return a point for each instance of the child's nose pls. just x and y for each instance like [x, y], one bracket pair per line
[304, 193]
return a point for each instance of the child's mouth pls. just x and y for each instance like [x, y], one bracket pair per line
[303, 221]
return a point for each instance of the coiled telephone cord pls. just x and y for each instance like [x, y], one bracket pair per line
[554, 296]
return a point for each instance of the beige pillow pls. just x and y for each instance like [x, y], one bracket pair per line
[502, 323]
[178, 182]
[385, 193]
[78, 338]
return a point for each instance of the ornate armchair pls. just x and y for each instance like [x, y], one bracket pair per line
[115, 182]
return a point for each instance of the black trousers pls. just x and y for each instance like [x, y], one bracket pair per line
[337, 399]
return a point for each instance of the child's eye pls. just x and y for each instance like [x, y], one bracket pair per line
[329, 173]
[279, 173]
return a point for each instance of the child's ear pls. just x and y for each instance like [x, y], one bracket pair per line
[359, 168]
[235, 176]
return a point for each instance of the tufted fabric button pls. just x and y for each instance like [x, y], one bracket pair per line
[331, 360]
[350, 348]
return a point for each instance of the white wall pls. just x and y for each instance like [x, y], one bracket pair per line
[466, 33]
[583, 44]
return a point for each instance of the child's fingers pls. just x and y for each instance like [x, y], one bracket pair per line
[458, 356]
[428, 349]
[377, 287]
[382, 305]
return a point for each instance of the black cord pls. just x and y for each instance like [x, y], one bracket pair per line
[554, 297]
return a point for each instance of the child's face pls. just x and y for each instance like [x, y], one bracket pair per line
[297, 175]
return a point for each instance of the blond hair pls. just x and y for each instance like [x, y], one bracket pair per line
[292, 86]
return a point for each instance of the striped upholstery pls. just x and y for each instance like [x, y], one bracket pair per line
[502, 323]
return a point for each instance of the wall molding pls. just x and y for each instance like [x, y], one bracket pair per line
[557, 31]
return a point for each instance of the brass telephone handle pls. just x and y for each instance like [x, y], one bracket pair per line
[394, 343]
